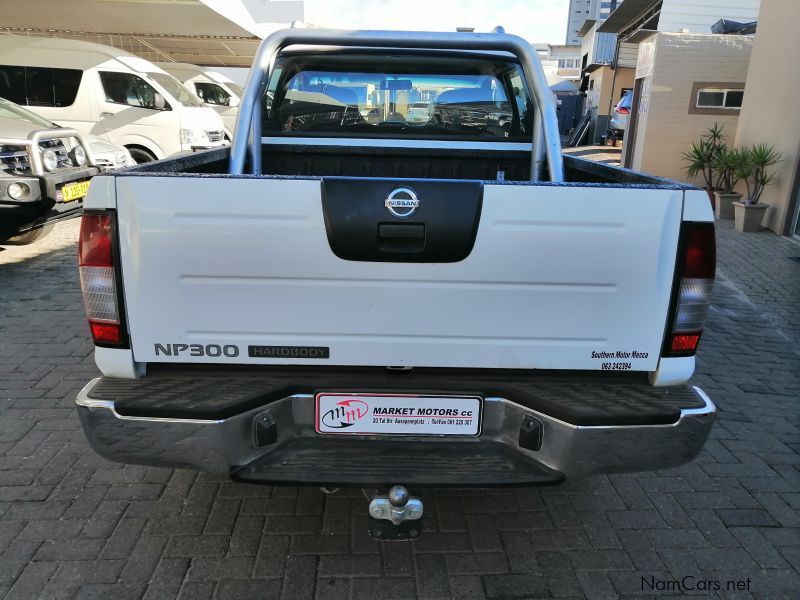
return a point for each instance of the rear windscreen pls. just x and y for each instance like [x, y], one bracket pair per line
[385, 96]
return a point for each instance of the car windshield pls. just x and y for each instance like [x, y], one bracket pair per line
[235, 88]
[477, 99]
[9, 110]
[176, 89]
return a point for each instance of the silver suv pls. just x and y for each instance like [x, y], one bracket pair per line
[45, 171]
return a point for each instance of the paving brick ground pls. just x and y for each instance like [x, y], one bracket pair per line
[609, 155]
[75, 526]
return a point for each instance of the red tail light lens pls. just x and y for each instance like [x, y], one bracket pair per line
[685, 342]
[622, 111]
[94, 247]
[700, 258]
[98, 278]
[697, 267]
[106, 333]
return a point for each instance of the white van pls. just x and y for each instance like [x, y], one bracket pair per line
[109, 93]
[215, 89]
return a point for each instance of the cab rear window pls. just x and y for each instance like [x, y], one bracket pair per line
[413, 97]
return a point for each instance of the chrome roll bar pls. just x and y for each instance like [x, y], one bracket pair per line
[546, 140]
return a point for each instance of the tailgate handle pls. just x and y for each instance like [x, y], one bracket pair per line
[401, 237]
[404, 231]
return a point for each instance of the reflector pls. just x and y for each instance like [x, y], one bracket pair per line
[685, 342]
[105, 333]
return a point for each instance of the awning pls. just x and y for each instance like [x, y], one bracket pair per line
[626, 12]
[587, 25]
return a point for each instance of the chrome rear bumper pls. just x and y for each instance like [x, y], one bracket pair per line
[228, 446]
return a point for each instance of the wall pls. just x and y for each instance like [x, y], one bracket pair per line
[698, 15]
[601, 94]
[627, 54]
[770, 114]
[666, 128]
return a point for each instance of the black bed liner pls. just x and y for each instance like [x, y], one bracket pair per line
[581, 399]
[317, 161]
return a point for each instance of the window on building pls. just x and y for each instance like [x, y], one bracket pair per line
[719, 98]
[733, 98]
[38, 86]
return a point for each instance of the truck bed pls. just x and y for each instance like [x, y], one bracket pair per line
[386, 161]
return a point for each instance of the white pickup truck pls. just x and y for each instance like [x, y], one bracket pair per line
[346, 297]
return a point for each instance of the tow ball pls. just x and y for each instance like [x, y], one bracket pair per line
[396, 515]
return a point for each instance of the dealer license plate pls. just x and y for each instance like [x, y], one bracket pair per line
[73, 191]
[397, 414]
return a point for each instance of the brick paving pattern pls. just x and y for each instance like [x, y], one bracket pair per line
[75, 526]
[609, 155]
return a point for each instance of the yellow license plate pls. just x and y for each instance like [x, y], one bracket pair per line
[74, 191]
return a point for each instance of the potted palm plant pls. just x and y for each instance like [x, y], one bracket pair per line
[727, 163]
[701, 158]
[754, 171]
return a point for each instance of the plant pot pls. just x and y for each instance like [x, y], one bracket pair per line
[725, 204]
[748, 217]
[710, 192]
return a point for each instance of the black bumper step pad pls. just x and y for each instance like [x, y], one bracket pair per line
[384, 463]
[580, 399]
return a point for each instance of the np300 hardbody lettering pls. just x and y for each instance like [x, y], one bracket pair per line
[213, 350]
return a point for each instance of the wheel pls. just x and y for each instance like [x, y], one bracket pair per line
[140, 155]
[23, 239]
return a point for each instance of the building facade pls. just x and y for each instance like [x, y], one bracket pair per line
[565, 60]
[682, 71]
[606, 74]
[581, 11]
[769, 110]
[678, 81]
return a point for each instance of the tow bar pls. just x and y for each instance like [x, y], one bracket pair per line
[394, 516]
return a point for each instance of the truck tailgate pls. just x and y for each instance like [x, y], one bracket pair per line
[240, 270]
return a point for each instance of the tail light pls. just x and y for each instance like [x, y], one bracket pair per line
[696, 267]
[96, 253]
[622, 111]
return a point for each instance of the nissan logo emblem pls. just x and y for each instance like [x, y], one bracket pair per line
[402, 203]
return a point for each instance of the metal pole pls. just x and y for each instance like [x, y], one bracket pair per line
[538, 147]
[532, 68]
[255, 133]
